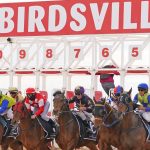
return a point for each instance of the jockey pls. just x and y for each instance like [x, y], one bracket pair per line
[118, 90]
[6, 104]
[14, 93]
[41, 106]
[85, 105]
[143, 97]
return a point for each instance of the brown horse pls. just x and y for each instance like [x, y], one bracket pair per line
[98, 112]
[69, 134]
[124, 129]
[31, 133]
[7, 142]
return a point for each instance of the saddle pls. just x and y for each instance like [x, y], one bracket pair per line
[50, 128]
[84, 134]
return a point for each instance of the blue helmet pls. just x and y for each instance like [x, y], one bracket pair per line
[79, 90]
[143, 86]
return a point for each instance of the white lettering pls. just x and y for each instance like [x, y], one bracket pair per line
[20, 22]
[98, 17]
[78, 17]
[115, 16]
[127, 17]
[6, 22]
[36, 20]
[52, 18]
[144, 14]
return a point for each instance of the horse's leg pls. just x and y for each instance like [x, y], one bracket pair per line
[92, 146]
[16, 145]
[4, 146]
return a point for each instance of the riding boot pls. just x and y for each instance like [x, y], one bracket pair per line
[52, 133]
[14, 132]
[88, 127]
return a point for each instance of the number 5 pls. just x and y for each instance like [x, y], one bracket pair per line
[135, 51]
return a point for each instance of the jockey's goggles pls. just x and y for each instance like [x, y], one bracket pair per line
[140, 89]
[117, 94]
[30, 95]
[77, 94]
[13, 93]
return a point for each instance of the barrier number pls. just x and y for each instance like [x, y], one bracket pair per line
[105, 52]
[135, 52]
[22, 54]
[49, 53]
[1, 54]
[77, 51]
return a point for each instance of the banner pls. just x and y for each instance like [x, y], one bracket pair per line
[74, 17]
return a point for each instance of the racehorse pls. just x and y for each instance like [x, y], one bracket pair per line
[68, 137]
[98, 112]
[125, 129]
[31, 133]
[7, 142]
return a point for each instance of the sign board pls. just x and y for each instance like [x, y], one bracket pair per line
[74, 17]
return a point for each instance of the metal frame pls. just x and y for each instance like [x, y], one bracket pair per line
[37, 63]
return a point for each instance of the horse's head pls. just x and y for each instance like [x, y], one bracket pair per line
[60, 104]
[20, 111]
[99, 110]
[125, 102]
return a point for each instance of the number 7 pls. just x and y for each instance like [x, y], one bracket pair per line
[77, 51]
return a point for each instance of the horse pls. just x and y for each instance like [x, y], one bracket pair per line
[123, 129]
[98, 112]
[31, 133]
[7, 142]
[68, 137]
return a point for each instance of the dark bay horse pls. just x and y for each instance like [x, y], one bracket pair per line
[31, 133]
[68, 137]
[123, 129]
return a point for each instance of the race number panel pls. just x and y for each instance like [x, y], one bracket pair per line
[105, 52]
[135, 52]
[1, 54]
[22, 54]
[49, 53]
[76, 53]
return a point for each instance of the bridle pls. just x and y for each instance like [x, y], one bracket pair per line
[64, 109]
[17, 108]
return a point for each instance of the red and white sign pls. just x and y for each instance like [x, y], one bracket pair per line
[74, 17]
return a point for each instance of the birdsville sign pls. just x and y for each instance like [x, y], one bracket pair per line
[74, 17]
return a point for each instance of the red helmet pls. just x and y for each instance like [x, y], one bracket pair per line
[30, 90]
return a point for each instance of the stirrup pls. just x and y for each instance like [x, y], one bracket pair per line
[148, 139]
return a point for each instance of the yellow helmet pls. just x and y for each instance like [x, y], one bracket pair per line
[13, 89]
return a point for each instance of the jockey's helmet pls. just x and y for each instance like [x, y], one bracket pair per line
[30, 92]
[79, 90]
[118, 90]
[143, 86]
[13, 90]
